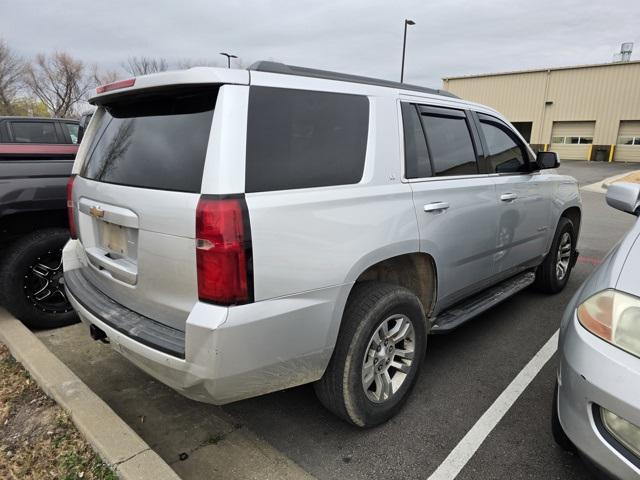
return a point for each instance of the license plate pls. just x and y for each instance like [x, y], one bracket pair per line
[114, 238]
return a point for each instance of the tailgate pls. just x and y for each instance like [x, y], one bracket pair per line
[136, 197]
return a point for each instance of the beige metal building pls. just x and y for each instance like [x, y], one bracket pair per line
[587, 112]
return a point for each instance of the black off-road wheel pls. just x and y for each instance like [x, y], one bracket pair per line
[32, 282]
[553, 274]
[380, 348]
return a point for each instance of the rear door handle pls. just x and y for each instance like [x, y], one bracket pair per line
[508, 197]
[436, 207]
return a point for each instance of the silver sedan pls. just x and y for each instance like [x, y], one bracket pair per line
[596, 408]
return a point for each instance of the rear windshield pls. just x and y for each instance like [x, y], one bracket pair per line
[156, 140]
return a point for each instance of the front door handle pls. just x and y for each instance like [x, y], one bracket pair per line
[508, 197]
[436, 207]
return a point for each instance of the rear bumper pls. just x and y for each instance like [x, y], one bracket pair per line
[595, 374]
[229, 353]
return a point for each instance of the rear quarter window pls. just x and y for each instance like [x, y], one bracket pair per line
[302, 139]
[155, 140]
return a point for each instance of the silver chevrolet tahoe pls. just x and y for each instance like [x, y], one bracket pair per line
[238, 232]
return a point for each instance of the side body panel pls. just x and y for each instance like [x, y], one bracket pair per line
[462, 238]
[33, 181]
[523, 223]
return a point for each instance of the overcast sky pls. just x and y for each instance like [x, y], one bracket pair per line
[450, 37]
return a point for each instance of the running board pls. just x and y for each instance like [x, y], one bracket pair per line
[462, 312]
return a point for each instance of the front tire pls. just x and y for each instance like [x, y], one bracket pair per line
[553, 274]
[380, 348]
[31, 282]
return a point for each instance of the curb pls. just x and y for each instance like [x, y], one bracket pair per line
[116, 443]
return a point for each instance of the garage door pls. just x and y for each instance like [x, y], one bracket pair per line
[628, 144]
[572, 140]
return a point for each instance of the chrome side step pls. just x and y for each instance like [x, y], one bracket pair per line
[462, 312]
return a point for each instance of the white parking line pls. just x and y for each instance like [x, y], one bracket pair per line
[459, 456]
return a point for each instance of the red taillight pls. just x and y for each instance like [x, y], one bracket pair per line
[70, 213]
[223, 250]
[130, 82]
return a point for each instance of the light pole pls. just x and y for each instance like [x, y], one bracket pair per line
[404, 46]
[229, 57]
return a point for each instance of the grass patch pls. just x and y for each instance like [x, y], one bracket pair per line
[38, 441]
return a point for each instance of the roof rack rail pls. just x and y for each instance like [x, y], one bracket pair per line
[277, 67]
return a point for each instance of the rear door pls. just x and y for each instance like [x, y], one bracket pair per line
[455, 205]
[522, 196]
[137, 193]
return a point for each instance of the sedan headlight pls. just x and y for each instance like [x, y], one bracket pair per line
[615, 317]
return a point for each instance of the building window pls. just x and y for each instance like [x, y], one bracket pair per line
[573, 140]
[627, 140]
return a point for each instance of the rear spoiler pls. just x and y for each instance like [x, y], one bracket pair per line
[193, 76]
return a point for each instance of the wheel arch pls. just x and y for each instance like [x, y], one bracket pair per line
[575, 215]
[17, 224]
[415, 271]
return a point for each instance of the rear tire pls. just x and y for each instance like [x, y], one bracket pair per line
[380, 348]
[33, 262]
[553, 274]
[556, 427]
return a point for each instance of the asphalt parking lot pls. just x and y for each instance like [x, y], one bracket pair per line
[465, 371]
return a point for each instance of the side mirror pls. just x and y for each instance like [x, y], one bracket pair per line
[82, 125]
[625, 197]
[547, 160]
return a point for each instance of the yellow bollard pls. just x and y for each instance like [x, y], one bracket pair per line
[589, 154]
[613, 147]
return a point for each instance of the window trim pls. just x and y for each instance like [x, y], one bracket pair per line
[512, 134]
[439, 110]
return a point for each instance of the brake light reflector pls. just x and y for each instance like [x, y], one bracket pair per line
[130, 82]
[223, 250]
[70, 210]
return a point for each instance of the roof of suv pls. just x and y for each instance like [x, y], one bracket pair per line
[275, 67]
[199, 75]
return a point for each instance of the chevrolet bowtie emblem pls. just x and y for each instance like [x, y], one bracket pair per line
[96, 212]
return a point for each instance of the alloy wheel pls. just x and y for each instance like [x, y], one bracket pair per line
[388, 358]
[564, 256]
[43, 283]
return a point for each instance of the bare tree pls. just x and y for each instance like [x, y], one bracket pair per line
[59, 81]
[11, 72]
[143, 65]
[102, 77]
[186, 63]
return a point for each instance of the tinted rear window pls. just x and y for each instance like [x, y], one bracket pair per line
[34, 132]
[155, 140]
[301, 139]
